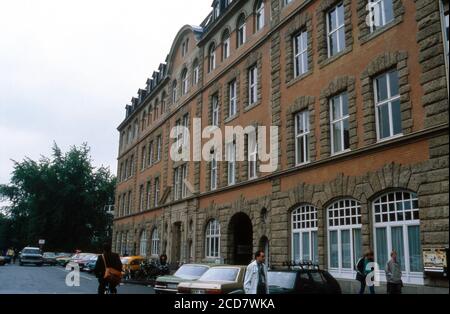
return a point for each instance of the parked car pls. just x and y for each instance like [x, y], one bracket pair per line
[187, 272]
[31, 255]
[49, 258]
[130, 265]
[81, 259]
[89, 264]
[63, 259]
[2, 261]
[217, 280]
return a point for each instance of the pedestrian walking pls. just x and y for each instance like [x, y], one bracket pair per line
[363, 269]
[393, 271]
[108, 270]
[255, 281]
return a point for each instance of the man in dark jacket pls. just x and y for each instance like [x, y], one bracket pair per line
[363, 270]
[112, 260]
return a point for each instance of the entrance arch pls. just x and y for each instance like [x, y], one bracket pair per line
[240, 239]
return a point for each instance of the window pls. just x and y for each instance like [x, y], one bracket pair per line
[340, 127]
[344, 230]
[231, 158]
[136, 129]
[150, 153]
[252, 155]
[163, 103]
[444, 9]
[158, 150]
[143, 243]
[212, 58]
[185, 134]
[120, 174]
[217, 10]
[184, 174]
[155, 242]
[215, 111]
[286, 2]
[118, 243]
[174, 92]
[156, 110]
[213, 164]
[144, 120]
[302, 133]
[129, 203]
[184, 82]
[225, 45]
[149, 194]
[141, 198]
[304, 234]
[176, 183]
[241, 30]
[232, 106]
[131, 166]
[387, 105]
[260, 12]
[336, 30]
[212, 239]
[300, 53]
[157, 190]
[252, 85]
[143, 156]
[185, 47]
[383, 11]
[196, 73]
[397, 227]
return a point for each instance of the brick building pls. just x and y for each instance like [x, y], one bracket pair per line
[362, 111]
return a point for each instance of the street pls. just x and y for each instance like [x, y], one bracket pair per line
[52, 280]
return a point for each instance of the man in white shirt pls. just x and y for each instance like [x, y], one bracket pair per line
[255, 281]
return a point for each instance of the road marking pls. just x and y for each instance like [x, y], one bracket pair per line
[81, 276]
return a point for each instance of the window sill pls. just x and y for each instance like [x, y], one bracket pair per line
[231, 118]
[387, 139]
[340, 153]
[298, 78]
[335, 57]
[363, 40]
[250, 107]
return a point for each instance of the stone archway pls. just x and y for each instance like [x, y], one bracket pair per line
[240, 231]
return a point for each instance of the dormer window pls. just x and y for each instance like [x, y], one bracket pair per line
[217, 10]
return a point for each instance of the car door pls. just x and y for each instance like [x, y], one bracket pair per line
[305, 284]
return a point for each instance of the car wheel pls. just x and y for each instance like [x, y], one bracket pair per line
[20, 264]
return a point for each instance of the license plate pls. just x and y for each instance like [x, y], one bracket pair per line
[198, 291]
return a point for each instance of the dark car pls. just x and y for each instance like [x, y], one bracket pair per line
[31, 255]
[2, 261]
[302, 280]
[49, 258]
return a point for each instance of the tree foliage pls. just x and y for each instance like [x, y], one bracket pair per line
[60, 199]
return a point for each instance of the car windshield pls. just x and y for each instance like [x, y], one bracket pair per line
[191, 271]
[31, 251]
[317, 277]
[281, 279]
[49, 255]
[220, 274]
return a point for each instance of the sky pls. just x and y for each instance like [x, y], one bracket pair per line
[69, 67]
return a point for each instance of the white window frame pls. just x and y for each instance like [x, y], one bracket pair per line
[445, 25]
[407, 275]
[390, 99]
[174, 92]
[260, 15]
[148, 196]
[212, 239]
[196, 74]
[340, 120]
[214, 169]
[155, 249]
[184, 175]
[143, 243]
[184, 134]
[150, 154]
[241, 34]
[212, 58]
[381, 9]
[232, 108]
[253, 85]
[215, 111]
[184, 82]
[340, 272]
[252, 156]
[226, 47]
[143, 157]
[176, 183]
[300, 53]
[304, 220]
[335, 29]
[158, 148]
[231, 158]
[157, 191]
[304, 115]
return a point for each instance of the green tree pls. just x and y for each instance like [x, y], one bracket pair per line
[60, 199]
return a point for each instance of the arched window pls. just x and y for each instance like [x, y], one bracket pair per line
[212, 239]
[259, 15]
[397, 227]
[212, 57]
[241, 30]
[174, 92]
[344, 236]
[143, 243]
[225, 44]
[144, 120]
[304, 234]
[155, 242]
[195, 72]
[156, 109]
[163, 103]
[184, 82]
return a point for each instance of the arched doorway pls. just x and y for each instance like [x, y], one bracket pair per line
[240, 239]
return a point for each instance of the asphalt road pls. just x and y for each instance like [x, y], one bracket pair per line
[52, 280]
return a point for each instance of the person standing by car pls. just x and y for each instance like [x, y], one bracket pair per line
[255, 281]
[104, 261]
[393, 271]
[10, 255]
[363, 270]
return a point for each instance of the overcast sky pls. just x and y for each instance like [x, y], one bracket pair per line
[68, 68]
